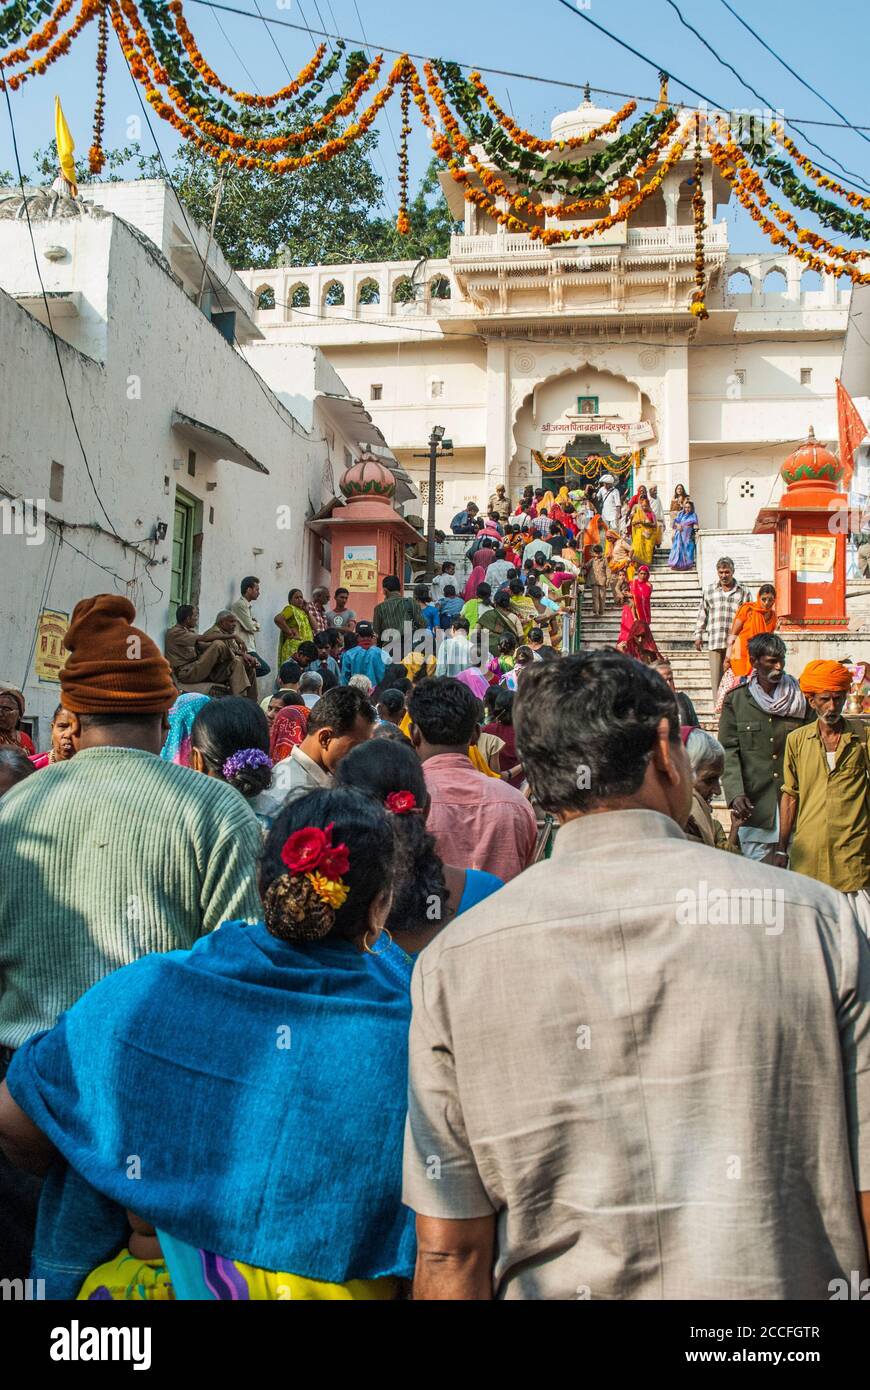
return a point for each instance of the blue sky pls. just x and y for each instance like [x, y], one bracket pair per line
[544, 38]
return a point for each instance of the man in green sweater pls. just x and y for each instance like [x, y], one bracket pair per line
[115, 853]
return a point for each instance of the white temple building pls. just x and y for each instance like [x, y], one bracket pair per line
[588, 347]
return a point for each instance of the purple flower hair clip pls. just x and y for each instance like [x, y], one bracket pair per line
[245, 757]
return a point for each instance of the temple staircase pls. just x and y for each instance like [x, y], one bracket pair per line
[675, 598]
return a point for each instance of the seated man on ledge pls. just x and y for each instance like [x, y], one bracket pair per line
[211, 658]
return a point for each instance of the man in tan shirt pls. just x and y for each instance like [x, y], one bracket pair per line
[641, 1070]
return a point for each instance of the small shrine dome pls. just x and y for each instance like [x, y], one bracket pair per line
[367, 479]
[581, 121]
[812, 463]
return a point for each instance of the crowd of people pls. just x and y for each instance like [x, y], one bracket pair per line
[364, 987]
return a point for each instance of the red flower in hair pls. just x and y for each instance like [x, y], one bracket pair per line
[312, 848]
[400, 803]
[303, 850]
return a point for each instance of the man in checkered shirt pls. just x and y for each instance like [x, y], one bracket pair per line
[719, 603]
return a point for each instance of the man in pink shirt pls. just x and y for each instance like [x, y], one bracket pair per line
[479, 822]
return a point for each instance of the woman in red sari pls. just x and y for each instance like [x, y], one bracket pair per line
[635, 637]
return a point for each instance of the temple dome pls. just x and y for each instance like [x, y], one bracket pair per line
[583, 119]
[812, 463]
[367, 479]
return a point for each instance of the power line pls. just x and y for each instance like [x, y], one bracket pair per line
[651, 62]
[496, 72]
[859, 130]
[857, 178]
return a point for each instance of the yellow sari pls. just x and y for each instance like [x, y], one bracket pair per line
[293, 617]
[644, 534]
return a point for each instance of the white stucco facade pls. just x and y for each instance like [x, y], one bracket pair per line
[170, 414]
[502, 337]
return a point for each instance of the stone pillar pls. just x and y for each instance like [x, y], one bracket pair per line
[671, 195]
[498, 421]
[672, 424]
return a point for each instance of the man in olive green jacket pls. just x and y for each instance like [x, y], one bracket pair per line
[755, 722]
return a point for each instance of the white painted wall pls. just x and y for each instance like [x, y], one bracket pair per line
[160, 355]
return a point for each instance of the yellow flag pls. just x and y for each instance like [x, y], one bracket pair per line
[65, 146]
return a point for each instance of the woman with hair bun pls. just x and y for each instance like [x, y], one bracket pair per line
[427, 893]
[262, 1078]
[230, 740]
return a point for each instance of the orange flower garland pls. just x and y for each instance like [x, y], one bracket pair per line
[771, 230]
[697, 305]
[265, 144]
[38, 40]
[823, 180]
[89, 10]
[531, 142]
[96, 157]
[403, 222]
[212, 80]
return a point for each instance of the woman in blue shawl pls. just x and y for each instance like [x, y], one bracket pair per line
[254, 1087]
[682, 556]
[182, 717]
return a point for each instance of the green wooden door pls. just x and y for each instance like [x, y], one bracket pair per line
[182, 548]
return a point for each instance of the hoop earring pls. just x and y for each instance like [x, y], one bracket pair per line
[383, 932]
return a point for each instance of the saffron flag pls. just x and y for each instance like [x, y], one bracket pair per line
[65, 146]
[851, 429]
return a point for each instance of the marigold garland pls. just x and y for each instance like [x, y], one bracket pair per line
[856, 200]
[41, 39]
[89, 10]
[531, 142]
[96, 156]
[403, 222]
[225, 136]
[778, 238]
[212, 79]
[697, 304]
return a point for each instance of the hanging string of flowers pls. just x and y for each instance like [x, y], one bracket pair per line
[188, 81]
[823, 180]
[728, 170]
[41, 39]
[96, 156]
[89, 10]
[778, 173]
[259, 144]
[531, 142]
[697, 305]
[403, 222]
[212, 79]
[589, 467]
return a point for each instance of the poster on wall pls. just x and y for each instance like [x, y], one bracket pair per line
[50, 654]
[359, 569]
[812, 559]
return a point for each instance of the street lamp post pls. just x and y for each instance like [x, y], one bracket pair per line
[438, 447]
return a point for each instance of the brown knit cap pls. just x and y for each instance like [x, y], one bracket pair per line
[113, 667]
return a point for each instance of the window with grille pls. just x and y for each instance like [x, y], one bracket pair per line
[747, 488]
[439, 493]
[740, 374]
[436, 389]
[806, 376]
[376, 391]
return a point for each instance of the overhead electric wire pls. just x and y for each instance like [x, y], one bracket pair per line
[660, 67]
[858, 179]
[859, 130]
[481, 67]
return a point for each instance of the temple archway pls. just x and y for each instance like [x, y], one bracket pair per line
[555, 439]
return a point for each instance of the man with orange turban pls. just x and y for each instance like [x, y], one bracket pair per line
[825, 804]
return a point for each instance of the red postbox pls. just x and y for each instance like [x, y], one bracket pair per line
[367, 536]
[809, 528]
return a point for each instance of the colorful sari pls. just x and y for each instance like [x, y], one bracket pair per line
[644, 532]
[293, 617]
[634, 633]
[595, 534]
[755, 619]
[289, 728]
[682, 556]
